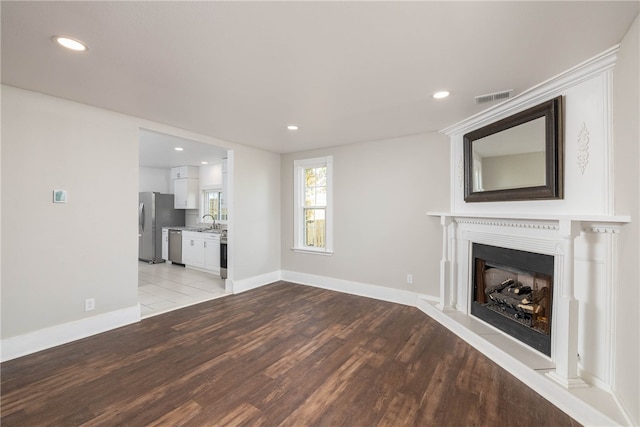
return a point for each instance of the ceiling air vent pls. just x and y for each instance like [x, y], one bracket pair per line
[481, 99]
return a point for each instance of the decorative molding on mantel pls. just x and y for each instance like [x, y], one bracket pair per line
[589, 223]
[583, 148]
[602, 228]
[547, 89]
[508, 223]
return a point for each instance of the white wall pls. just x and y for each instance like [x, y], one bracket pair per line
[155, 179]
[254, 213]
[382, 192]
[627, 196]
[211, 176]
[62, 254]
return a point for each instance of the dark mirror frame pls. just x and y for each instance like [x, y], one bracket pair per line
[553, 113]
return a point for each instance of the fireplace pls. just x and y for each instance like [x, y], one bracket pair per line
[512, 290]
[570, 337]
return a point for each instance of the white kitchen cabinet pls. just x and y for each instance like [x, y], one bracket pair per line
[165, 244]
[180, 172]
[192, 250]
[212, 253]
[201, 251]
[187, 251]
[186, 193]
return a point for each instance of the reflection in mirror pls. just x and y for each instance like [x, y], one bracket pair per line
[517, 158]
[513, 158]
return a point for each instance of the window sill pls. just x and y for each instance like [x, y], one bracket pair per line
[312, 251]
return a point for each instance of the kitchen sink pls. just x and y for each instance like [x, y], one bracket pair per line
[204, 230]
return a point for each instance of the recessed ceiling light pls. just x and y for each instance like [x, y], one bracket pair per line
[292, 127]
[441, 94]
[179, 149]
[70, 43]
[204, 163]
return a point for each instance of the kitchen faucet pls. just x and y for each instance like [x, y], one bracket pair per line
[214, 220]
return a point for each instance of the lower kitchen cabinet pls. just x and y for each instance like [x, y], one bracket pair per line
[201, 251]
[212, 253]
[192, 251]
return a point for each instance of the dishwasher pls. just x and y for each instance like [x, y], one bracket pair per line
[175, 246]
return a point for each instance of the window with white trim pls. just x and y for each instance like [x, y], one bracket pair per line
[212, 205]
[313, 215]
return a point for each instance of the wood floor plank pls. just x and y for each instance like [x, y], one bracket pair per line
[280, 355]
[179, 416]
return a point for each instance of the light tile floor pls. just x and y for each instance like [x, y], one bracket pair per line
[165, 287]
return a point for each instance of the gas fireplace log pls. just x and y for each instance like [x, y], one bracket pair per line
[515, 303]
[536, 296]
[511, 300]
[499, 287]
[533, 308]
[505, 299]
[517, 290]
[522, 290]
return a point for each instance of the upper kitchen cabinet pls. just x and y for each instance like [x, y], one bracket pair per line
[180, 172]
[186, 185]
[186, 193]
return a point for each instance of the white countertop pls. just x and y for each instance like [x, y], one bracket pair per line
[195, 229]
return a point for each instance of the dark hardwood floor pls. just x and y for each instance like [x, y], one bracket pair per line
[281, 355]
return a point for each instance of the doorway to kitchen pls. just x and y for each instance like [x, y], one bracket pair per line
[184, 171]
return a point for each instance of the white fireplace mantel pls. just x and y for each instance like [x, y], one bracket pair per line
[615, 221]
[548, 234]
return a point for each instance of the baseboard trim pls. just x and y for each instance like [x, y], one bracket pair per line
[623, 410]
[42, 339]
[355, 288]
[243, 285]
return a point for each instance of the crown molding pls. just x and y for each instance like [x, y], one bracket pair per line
[539, 93]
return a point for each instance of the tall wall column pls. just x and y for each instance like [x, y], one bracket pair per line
[445, 267]
[566, 321]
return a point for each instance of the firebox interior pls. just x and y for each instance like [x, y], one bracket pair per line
[513, 291]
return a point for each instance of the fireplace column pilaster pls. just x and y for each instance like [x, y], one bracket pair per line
[446, 275]
[566, 321]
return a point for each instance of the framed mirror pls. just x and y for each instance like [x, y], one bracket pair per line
[517, 158]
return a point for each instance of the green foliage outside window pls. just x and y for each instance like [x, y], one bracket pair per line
[315, 203]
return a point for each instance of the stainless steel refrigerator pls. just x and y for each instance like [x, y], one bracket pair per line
[155, 211]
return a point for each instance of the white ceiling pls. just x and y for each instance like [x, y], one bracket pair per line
[343, 71]
[157, 150]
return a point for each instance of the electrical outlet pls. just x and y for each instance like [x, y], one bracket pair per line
[410, 279]
[89, 304]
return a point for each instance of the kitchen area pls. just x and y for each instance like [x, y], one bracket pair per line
[182, 223]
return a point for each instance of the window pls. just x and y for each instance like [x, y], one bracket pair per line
[312, 199]
[212, 204]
